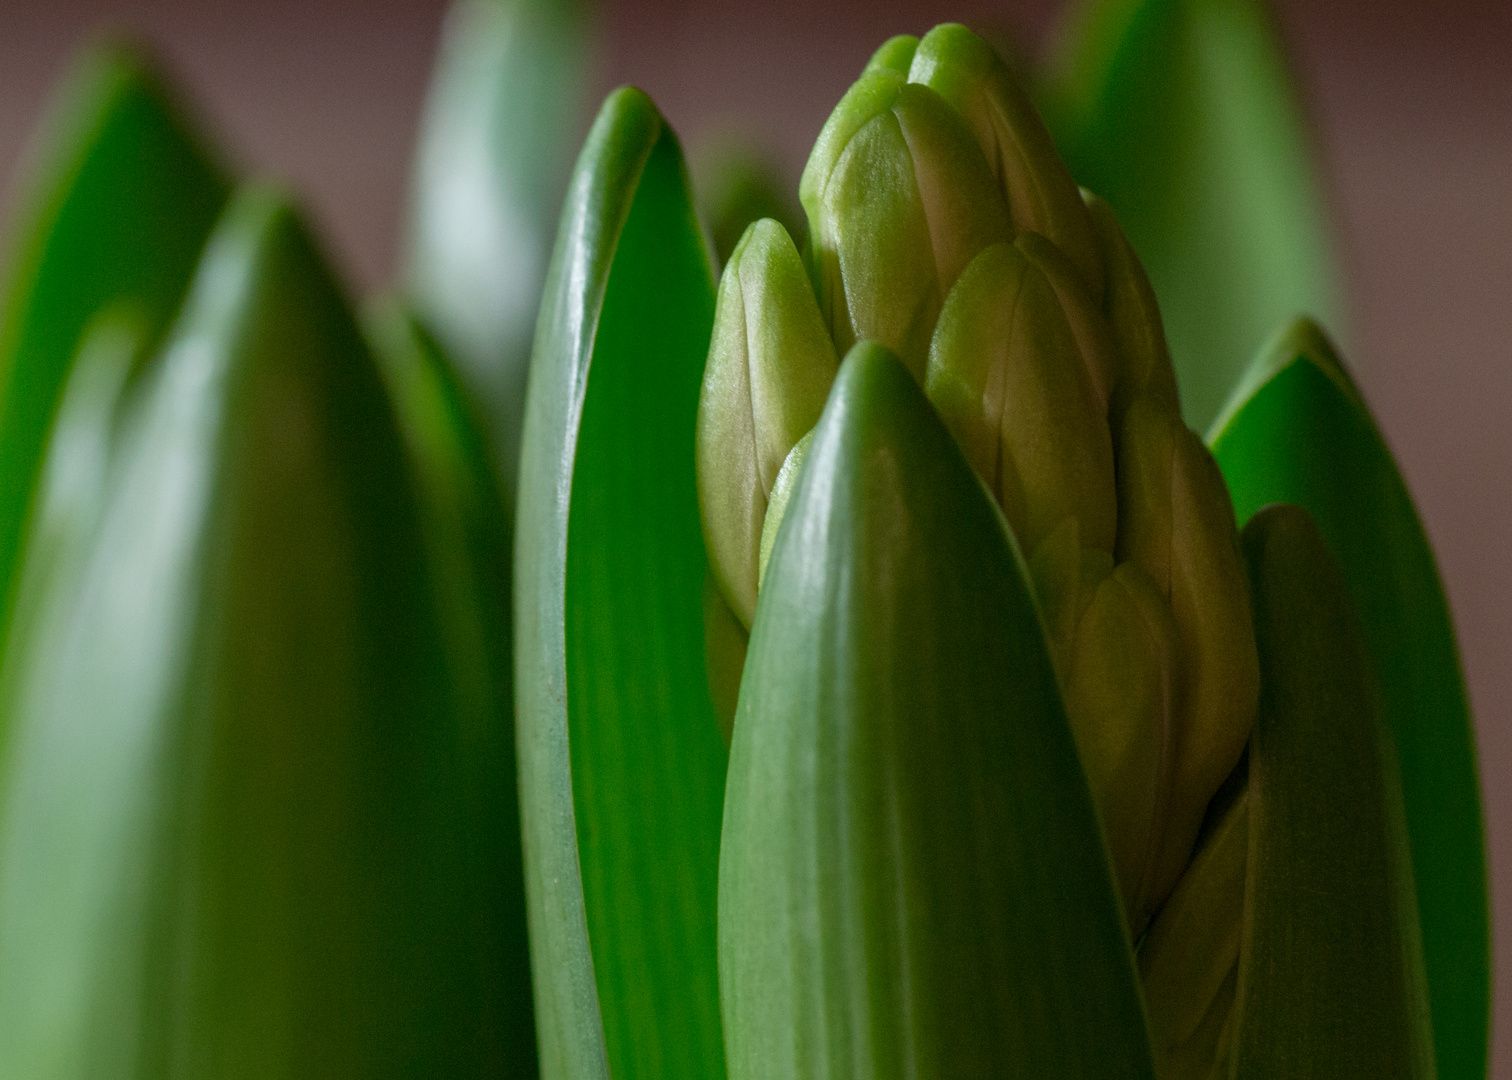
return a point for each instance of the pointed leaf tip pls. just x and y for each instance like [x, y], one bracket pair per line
[621, 758]
[120, 197]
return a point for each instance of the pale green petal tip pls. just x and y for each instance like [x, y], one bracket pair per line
[952, 60]
[792, 359]
[766, 247]
[1128, 301]
[972, 329]
[1006, 374]
[1188, 961]
[896, 54]
[769, 370]
[967, 71]
[910, 202]
[870, 95]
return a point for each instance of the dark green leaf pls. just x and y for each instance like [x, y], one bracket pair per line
[467, 538]
[240, 834]
[913, 882]
[621, 758]
[120, 199]
[1298, 431]
[1182, 115]
[1330, 964]
[504, 115]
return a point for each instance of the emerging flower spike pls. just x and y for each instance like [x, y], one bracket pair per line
[943, 226]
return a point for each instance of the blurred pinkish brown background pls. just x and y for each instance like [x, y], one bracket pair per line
[1413, 105]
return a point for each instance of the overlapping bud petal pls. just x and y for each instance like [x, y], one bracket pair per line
[1189, 958]
[899, 201]
[1176, 523]
[1042, 198]
[769, 371]
[1007, 376]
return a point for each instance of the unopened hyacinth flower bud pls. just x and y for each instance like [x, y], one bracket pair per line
[899, 200]
[1042, 198]
[769, 370]
[943, 226]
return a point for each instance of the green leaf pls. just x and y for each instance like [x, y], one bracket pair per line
[913, 881]
[1297, 431]
[76, 477]
[240, 832]
[119, 202]
[467, 539]
[621, 758]
[1330, 964]
[504, 115]
[1183, 116]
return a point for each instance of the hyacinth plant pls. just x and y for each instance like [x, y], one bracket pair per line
[1038, 764]
[890, 684]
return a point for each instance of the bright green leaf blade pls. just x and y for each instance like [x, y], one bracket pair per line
[621, 758]
[117, 209]
[467, 537]
[1182, 115]
[1330, 968]
[1298, 431]
[505, 114]
[240, 834]
[913, 882]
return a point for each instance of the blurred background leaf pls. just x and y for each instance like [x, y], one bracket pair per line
[249, 821]
[1184, 116]
[121, 197]
[501, 125]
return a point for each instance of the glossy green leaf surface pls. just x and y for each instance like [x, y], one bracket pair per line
[240, 829]
[913, 881]
[621, 758]
[1330, 965]
[503, 118]
[1298, 431]
[119, 201]
[1183, 116]
[467, 538]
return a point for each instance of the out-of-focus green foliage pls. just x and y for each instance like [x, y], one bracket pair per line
[1183, 115]
[249, 788]
[501, 124]
[119, 198]
[735, 184]
[466, 528]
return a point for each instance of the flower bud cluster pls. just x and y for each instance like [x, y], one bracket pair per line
[943, 225]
